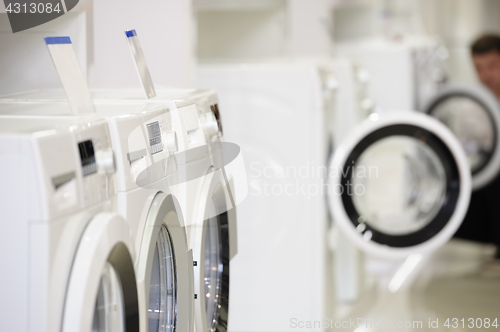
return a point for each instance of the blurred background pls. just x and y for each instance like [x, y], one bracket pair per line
[187, 33]
[294, 79]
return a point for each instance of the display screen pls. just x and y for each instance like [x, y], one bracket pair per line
[87, 156]
[154, 134]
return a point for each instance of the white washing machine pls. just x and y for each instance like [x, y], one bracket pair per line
[206, 200]
[472, 113]
[143, 140]
[402, 188]
[209, 189]
[404, 74]
[280, 115]
[67, 252]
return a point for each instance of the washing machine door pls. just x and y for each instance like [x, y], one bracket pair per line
[165, 270]
[472, 113]
[102, 290]
[211, 253]
[399, 184]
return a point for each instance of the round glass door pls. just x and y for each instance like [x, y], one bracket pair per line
[472, 113]
[162, 310]
[109, 310]
[405, 188]
[472, 124]
[399, 186]
[213, 270]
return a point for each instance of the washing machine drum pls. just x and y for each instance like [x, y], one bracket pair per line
[399, 184]
[472, 113]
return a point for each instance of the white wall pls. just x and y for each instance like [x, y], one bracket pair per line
[165, 30]
[96, 27]
[25, 63]
[310, 28]
[239, 30]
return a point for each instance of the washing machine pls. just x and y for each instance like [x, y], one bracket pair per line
[472, 113]
[201, 177]
[209, 182]
[404, 74]
[67, 252]
[402, 187]
[280, 114]
[143, 141]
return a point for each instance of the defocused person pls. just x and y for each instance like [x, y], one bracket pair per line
[486, 57]
[482, 222]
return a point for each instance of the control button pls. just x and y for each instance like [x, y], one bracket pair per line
[171, 141]
[209, 124]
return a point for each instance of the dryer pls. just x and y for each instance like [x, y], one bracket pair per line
[143, 141]
[472, 113]
[67, 252]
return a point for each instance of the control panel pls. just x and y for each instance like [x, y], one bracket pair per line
[154, 135]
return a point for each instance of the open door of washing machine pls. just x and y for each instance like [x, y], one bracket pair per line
[399, 184]
[102, 290]
[211, 252]
[472, 113]
[165, 270]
